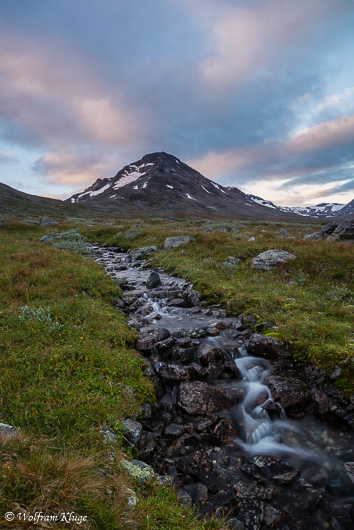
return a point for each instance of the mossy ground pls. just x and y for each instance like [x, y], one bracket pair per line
[68, 366]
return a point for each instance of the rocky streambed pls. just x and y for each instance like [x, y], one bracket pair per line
[239, 426]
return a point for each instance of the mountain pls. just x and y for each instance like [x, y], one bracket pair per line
[160, 183]
[322, 210]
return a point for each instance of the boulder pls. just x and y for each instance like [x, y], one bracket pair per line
[344, 232]
[209, 354]
[173, 242]
[204, 398]
[173, 373]
[147, 444]
[147, 340]
[292, 394]
[141, 253]
[267, 347]
[328, 229]
[314, 235]
[153, 280]
[7, 431]
[270, 259]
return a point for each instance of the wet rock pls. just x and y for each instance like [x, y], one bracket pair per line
[184, 445]
[314, 235]
[344, 232]
[173, 242]
[141, 253]
[270, 259]
[287, 477]
[209, 354]
[174, 429]
[193, 298]
[267, 347]
[203, 398]
[293, 394]
[213, 331]
[132, 431]
[343, 514]
[251, 514]
[150, 372]
[348, 469]
[177, 302]
[328, 229]
[197, 467]
[207, 423]
[165, 344]
[253, 491]
[324, 406]
[147, 340]
[147, 444]
[252, 471]
[138, 470]
[223, 432]
[272, 516]
[153, 280]
[184, 355]
[173, 373]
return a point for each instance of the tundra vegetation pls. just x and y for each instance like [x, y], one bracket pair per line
[68, 359]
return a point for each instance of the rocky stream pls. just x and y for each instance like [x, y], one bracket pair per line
[240, 426]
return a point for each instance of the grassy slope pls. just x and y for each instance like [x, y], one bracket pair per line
[310, 299]
[62, 377]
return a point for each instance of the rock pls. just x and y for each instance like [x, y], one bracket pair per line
[283, 232]
[141, 253]
[185, 498]
[45, 221]
[109, 435]
[251, 514]
[147, 340]
[348, 469]
[344, 232]
[184, 355]
[267, 347]
[209, 354]
[288, 477]
[293, 394]
[153, 280]
[174, 429]
[270, 259]
[132, 431]
[235, 524]
[323, 404]
[328, 229]
[202, 492]
[315, 235]
[223, 432]
[231, 261]
[173, 242]
[173, 373]
[204, 398]
[336, 372]
[46, 239]
[252, 239]
[164, 480]
[7, 431]
[133, 499]
[147, 444]
[198, 467]
[138, 470]
[253, 491]
[183, 445]
[193, 298]
[147, 411]
[272, 516]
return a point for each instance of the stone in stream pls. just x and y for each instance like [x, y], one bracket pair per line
[293, 394]
[203, 398]
[153, 280]
[253, 491]
[267, 347]
[148, 339]
[209, 354]
[269, 259]
[324, 406]
[173, 373]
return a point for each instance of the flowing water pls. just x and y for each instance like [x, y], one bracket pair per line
[315, 448]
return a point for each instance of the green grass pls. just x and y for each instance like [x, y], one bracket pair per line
[68, 366]
[310, 299]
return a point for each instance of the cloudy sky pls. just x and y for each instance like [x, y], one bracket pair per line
[258, 94]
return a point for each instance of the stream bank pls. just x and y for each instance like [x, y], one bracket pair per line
[239, 425]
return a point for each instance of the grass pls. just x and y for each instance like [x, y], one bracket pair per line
[309, 299]
[68, 366]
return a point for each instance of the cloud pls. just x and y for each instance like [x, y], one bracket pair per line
[8, 157]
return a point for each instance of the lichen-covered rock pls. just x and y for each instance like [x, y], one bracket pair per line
[138, 470]
[267, 347]
[173, 242]
[109, 435]
[270, 259]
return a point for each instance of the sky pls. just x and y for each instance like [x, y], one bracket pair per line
[257, 94]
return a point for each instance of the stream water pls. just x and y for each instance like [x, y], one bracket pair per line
[314, 491]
